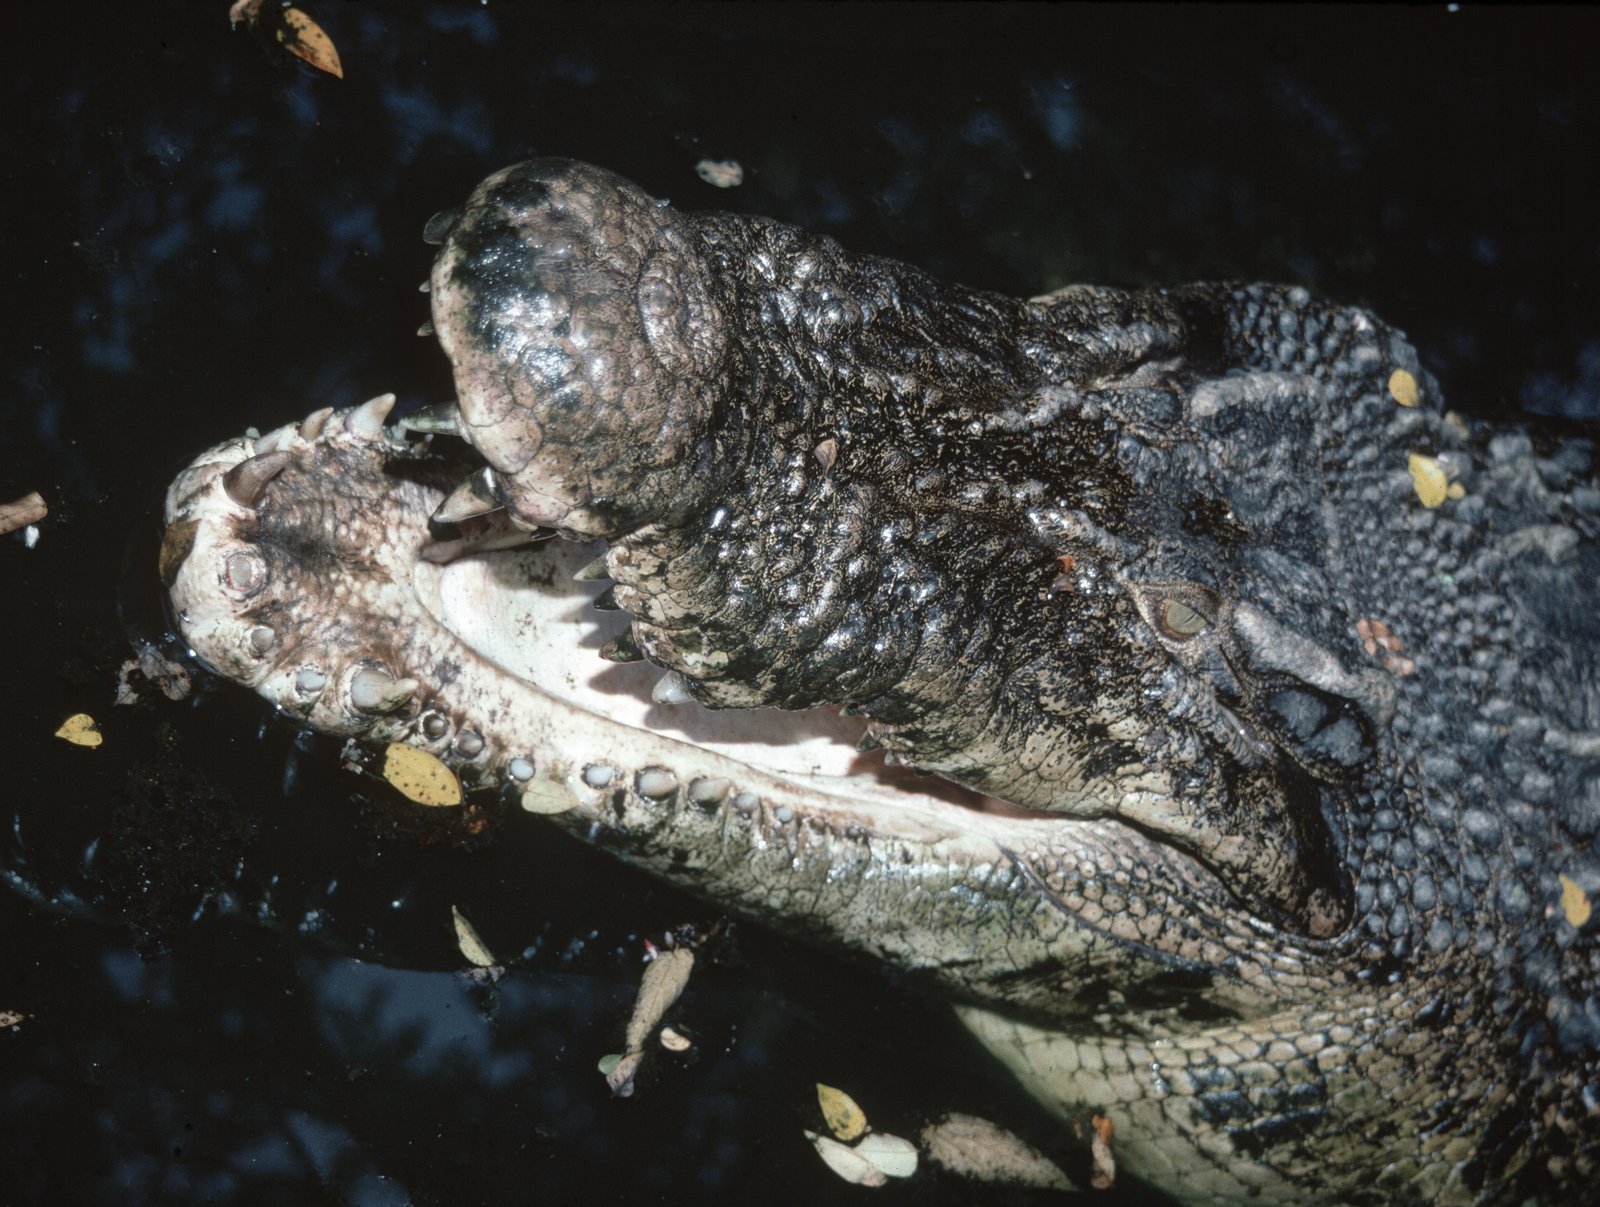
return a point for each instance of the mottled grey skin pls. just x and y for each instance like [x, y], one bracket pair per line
[1289, 782]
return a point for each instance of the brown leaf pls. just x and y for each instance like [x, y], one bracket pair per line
[304, 38]
[19, 513]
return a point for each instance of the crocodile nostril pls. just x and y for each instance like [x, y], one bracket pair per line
[245, 572]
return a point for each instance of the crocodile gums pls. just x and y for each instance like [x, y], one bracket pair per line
[1261, 697]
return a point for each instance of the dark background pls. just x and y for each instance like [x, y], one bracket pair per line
[237, 964]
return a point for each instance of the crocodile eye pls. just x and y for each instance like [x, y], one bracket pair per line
[1181, 621]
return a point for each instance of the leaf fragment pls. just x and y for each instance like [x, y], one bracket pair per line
[19, 513]
[893, 1155]
[80, 729]
[1428, 479]
[1575, 903]
[846, 1161]
[10, 1018]
[420, 776]
[975, 1148]
[305, 39]
[1403, 388]
[473, 948]
[844, 1118]
[1103, 1168]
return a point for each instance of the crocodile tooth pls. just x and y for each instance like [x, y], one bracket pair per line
[262, 639]
[606, 601]
[594, 572]
[426, 329]
[375, 690]
[671, 688]
[311, 426]
[443, 417]
[247, 482]
[438, 227]
[868, 743]
[621, 648]
[475, 496]
[368, 418]
[425, 287]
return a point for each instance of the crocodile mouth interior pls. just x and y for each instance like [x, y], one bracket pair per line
[522, 611]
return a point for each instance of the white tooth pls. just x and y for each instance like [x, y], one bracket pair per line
[375, 690]
[520, 769]
[597, 775]
[657, 782]
[425, 287]
[671, 688]
[368, 418]
[274, 441]
[709, 790]
[311, 426]
[309, 680]
[469, 743]
[594, 572]
[426, 329]
[473, 497]
[261, 638]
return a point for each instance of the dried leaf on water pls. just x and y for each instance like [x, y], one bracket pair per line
[846, 1161]
[1103, 1171]
[80, 729]
[975, 1148]
[844, 1118]
[473, 948]
[19, 513]
[893, 1155]
[420, 776]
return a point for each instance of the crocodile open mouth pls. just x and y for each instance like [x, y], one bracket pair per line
[304, 564]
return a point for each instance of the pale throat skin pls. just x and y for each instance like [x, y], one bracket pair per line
[1267, 793]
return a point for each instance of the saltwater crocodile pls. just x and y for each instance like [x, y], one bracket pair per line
[1261, 696]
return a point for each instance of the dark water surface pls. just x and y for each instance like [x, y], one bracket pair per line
[237, 966]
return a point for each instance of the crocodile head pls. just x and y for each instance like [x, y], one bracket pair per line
[1127, 573]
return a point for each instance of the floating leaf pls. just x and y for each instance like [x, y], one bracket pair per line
[81, 730]
[1428, 479]
[1403, 388]
[1103, 1167]
[846, 1161]
[304, 38]
[986, 1152]
[472, 947]
[663, 980]
[19, 513]
[844, 1118]
[675, 1041]
[1575, 902]
[891, 1154]
[720, 173]
[420, 776]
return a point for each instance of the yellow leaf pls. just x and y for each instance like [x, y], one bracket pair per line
[1403, 388]
[1428, 480]
[303, 37]
[1575, 902]
[420, 776]
[80, 730]
[474, 949]
[844, 1118]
